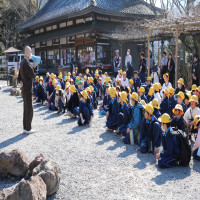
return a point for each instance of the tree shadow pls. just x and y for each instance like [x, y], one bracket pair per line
[12, 140]
[106, 137]
[53, 115]
[41, 108]
[171, 174]
[7, 90]
[130, 150]
[67, 121]
[77, 129]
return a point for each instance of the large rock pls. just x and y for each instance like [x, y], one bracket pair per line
[14, 163]
[32, 189]
[49, 171]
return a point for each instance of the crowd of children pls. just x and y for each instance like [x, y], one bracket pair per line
[145, 115]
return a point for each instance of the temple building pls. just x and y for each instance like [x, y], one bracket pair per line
[89, 29]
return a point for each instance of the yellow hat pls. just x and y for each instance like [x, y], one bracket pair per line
[194, 98]
[159, 86]
[120, 71]
[155, 103]
[156, 87]
[149, 108]
[47, 73]
[84, 94]
[124, 73]
[198, 89]
[142, 89]
[131, 81]
[55, 82]
[149, 78]
[194, 87]
[134, 96]
[58, 87]
[181, 81]
[60, 76]
[88, 89]
[91, 88]
[96, 74]
[54, 75]
[107, 80]
[85, 77]
[196, 121]
[123, 96]
[119, 80]
[178, 107]
[151, 91]
[188, 94]
[167, 75]
[91, 79]
[41, 78]
[171, 90]
[69, 74]
[72, 88]
[112, 92]
[37, 77]
[143, 103]
[87, 70]
[166, 91]
[67, 85]
[165, 119]
[181, 94]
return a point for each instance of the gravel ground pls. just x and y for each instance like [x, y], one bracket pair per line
[95, 164]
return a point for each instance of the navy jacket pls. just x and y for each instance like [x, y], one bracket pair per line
[143, 97]
[149, 98]
[164, 106]
[137, 83]
[147, 89]
[126, 114]
[106, 100]
[86, 104]
[113, 108]
[50, 88]
[157, 113]
[172, 104]
[179, 124]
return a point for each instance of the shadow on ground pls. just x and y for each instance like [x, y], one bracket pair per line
[12, 140]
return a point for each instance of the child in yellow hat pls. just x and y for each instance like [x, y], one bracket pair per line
[51, 102]
[166, 83]
[164, 106]
[150, 95]
[181, 86]
[142, 94]
[180, 100]
[35, 84]
[112, 111]
[40, 91]
[60, 99]
[196, 147]
[148, 86]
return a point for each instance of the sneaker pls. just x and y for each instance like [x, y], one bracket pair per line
[25, 131]
[30, 132]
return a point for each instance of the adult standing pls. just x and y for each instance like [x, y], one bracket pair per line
[171, 68]
[163, 66]
[117, 63]
[26, 75]
[128, 64]
[195, 70]
[142, 67]
[72, 63]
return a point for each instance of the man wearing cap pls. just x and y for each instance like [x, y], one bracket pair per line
[26, 75]
[128, 64]
[72, 63]
[167, 158]
[142, 67]
[150, 132]
[117, 62]
[177, 121]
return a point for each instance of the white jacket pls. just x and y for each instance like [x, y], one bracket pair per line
[191, 114]
[165, 87]
[158, 97]
[125, 82]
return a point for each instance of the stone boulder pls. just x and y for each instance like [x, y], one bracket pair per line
[32, 189]
[50, 172]
[14, 163]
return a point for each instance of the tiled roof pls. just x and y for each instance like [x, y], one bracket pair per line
[61, 9]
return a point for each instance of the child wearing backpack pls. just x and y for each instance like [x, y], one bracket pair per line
[136, 118]
[167, 158]
[195, 149]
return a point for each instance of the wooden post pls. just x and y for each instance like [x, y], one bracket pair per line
[176, 58]
[148, 40]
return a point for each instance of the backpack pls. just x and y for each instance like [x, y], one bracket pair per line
[183, 145]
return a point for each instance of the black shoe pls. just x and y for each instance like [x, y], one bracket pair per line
[59, 112]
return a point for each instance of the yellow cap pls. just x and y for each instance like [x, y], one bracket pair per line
[198, 89]
[149, 78]
[188, 94]
[181, 94]
[142, 89]
[120, 71]
[131, 81]
[55, 82]
[87, 70]
[194, 87]
[106, 73]
[143, 103]
[69, 74]
[119, 80]
[91, 88]
[134, 96]
[178, 107]
[37, 77]
[156, 87]
[91, 79]
[47, 73]
[149, 108]
[196, 121]
[58, 87]
[167, 75]
[41, 78]
[181, 81]
[124, 73]
[72, 88]
[166, 91]
[194, 98]
[155, 103]
[171, 90]
[108, 79]
[123, 96]
[67, 85]
[84, 94]
[112, 92]
[151, 91]
[60, 76]
[165, 119]
[88, 89]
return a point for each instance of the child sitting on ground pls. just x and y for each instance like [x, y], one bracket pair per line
[106, 102]
[195, 149]
[180, 99]
[142, 94]
[164, 106]
[40, 91]
[60, 99]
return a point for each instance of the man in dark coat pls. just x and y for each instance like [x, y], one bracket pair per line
[72, 63]
[26, 75]
[171, 68]
[195, 70]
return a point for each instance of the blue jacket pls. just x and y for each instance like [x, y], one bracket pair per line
[184, 107]
[106, 100]
[149, 98]
[50, 88]
[132, 89]
[151, 132]
[147, 89]
[113, 108]
[143, 97]
[126, 114]
[52, 99]
[62, 84]
[40, 91]
[85, 104]
[169, 144]
[137, 83]
[136, 117]
[172, 104]
[164, 106]
[157, 113]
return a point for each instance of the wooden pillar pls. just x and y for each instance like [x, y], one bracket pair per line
[148, 40]
[176, 58]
